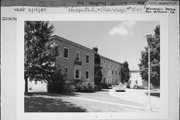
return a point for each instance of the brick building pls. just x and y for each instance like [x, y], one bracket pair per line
[110, 70]
[76, 60]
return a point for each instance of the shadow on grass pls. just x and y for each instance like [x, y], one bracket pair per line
[106, 90]
[49, 94]
[49, 104]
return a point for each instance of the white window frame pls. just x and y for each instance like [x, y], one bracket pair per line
[88, 75]
[79, 56]
[64, 51]
[86, 59]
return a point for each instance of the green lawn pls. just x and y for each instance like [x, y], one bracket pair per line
[49, 103]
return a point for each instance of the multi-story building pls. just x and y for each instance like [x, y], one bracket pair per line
[76, 60]
[111, 71]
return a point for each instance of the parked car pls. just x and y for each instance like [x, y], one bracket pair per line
[120, 88]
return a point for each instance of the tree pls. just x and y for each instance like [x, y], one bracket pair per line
[125, 72]
[40, 53]
[154, 59]
[97, 67]
[98, 75]
[57, 84]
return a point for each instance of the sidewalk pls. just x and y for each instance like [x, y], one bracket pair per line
[138, 96]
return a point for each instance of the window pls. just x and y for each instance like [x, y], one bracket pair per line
[136, 82]
[87, 58]
[77, 55]
[65, 70]
[112, 71]
[77, 74]
[87, 74]
[116, 72]
[66, 52]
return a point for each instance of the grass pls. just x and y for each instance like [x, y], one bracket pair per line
[49, 103]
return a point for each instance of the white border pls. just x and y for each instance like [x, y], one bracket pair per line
[163, 114]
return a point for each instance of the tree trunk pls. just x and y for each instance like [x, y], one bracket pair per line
[26, 85]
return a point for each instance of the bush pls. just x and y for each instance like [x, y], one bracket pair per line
[59, 84]
[138, 87]
[128, 85]
[50, 88]
[109, 85]
[85, 87]
[98, 87]
[55, 88]
[69, 88]
[104, 85]
[61, 88]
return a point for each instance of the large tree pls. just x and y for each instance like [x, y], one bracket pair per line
[40, 53]
[154, 59]
[125, 72]
[97, 67]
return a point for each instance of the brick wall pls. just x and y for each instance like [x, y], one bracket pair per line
[70, 62]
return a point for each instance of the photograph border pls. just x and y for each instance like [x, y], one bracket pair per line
[163, 18]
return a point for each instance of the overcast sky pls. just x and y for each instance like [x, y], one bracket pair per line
[117, 40]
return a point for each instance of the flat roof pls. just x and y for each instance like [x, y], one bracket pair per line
[110, 60]
[71, 42]
[81, 46]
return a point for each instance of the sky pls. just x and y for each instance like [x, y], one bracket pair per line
[117, 40]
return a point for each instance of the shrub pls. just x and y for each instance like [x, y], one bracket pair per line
[109, 85]
[60, 84]
[128, 85]
[55, 88]
[138, 87]
[50, 88]
[104, 85]
[69, 88]
[97, 87]
[85, 87]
